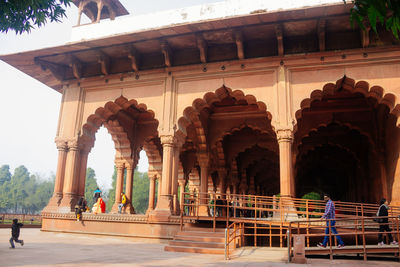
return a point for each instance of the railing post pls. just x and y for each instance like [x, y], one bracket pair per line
[398, 235]
[363, 235]
[289, 242]
[226, 247]
[330, 239]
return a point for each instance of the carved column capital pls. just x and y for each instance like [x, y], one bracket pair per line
[181, 182]
[62, 144]
[284, 135]
[168, 140]
[203, 160]
[73, 144]
[119, 164]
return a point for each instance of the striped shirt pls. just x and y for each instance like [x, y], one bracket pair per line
[329, 210]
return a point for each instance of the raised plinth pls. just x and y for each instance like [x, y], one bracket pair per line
[136, 225]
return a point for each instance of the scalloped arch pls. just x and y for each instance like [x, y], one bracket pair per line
[348, 84]
[105, 116]
[191, 113]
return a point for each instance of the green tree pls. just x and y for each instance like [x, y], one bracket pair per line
[140, 193]
[90, 186]
[5, 174]
[370, 12]
[111, 192]
[22, 15]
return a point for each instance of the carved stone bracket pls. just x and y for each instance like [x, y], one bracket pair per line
[279, 38]
[239, 44]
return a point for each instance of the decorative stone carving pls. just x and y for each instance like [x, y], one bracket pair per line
[284, 135]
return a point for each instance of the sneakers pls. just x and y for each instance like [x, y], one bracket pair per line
[340, 246]
[22, 242]
[394, 243]
[381, 244]
[320, 245]
[11, 247]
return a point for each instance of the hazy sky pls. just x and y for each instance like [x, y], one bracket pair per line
[30, 109]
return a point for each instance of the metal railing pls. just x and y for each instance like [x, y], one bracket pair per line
[231, 207]
[234, 236]
[359, 234]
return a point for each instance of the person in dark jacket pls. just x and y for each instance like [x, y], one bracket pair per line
[384, 223]
[15, 227]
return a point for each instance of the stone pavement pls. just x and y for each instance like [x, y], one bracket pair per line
[61, 249]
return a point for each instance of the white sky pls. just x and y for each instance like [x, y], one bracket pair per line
[30, 109]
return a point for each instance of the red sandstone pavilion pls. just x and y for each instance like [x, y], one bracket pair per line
[232, 98]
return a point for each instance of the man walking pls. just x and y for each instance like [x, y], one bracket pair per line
[329, 215]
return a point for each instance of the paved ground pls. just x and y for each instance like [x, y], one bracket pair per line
[60, 249]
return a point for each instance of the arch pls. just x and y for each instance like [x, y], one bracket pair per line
[348, 84]
[107, 116]
[191, 113]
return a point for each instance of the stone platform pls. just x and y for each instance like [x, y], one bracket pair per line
[61, 249]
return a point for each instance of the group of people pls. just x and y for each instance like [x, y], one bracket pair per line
[99, 204]
[382, 219]
[98, 207]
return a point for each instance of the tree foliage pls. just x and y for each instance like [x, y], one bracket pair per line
[22, 192]
[90, 186]
[371, 12]
[22, 15]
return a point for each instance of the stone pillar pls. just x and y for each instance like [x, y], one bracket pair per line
[285, 139]
[222, 178]
[152, 193]
[203, 209]
[70, 185]
[181, 192]
[128, 189]
[119, 186]
[383, 176]
[55, 200]
[164, 204]
[82, 172]
[395, 199]
[174, 184]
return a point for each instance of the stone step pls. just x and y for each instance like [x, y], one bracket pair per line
[203, 229]
[195, 250]
[200, 238]
[186, 243]
[201, 234]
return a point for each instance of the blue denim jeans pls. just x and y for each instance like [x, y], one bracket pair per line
[333, 231]
[12, 239]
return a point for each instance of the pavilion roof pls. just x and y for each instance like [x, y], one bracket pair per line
[261, 33]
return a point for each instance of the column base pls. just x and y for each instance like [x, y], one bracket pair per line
[53, 204]
[203, 211]
[163, 211]
[128, 209]
[114, 208]
[68, 203]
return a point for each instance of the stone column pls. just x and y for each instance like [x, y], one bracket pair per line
[164, 204]
[152, 193]
[395, 200]
[181, 192]
[222, 178]
[70, 185]
[119, 186]
[82, 172]
[55, 200]
[174, 184]
[285, 139]
[203, 162]
[382, 169]
[128, 189]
